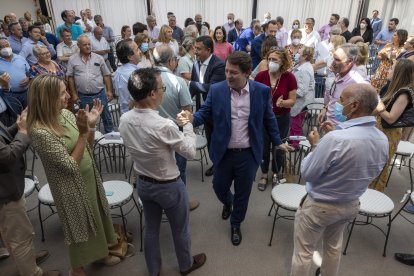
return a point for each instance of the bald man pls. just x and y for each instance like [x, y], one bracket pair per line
[99, 44]
[337, 172]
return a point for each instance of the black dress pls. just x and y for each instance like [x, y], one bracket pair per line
[368, 35]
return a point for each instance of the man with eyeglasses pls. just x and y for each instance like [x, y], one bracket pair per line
[310, 37]
[152, 142]
[343, 66]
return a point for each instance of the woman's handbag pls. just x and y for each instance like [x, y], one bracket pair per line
[407, 117]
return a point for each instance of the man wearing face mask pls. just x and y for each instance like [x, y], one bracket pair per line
[337, 172]
[18, 69]
[343, 66]
[129, 55]
[229, 25]
[176, 98]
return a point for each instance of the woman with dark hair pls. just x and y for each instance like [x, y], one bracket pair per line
[402, 78]
[126, 32]
[387, 56]
[365, 30]
[221, 47]
[283, 96]
[189, 21]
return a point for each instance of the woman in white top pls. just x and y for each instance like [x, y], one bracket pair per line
[147, 60]
[305, 93]
[165, 38]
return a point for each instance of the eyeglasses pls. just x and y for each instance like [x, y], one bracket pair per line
[163, 88]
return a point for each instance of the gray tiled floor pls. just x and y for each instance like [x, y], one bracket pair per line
[210, 234]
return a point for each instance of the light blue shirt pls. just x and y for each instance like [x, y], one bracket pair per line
[176, 94]
[384, 35]
[18, 69]
[27, 51]
[16, 44]
[345, 161]
[120, 82]
[76, 31]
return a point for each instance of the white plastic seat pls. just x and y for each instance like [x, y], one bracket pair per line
[405, 149]
[286, 196]
[373, 204]
[121, 193]
[29, 186]
[45, 198]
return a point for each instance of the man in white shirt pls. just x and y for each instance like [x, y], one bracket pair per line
[282, 33]
[310, 37]
[153, 30]
[99, 44]
[66, 48]
[86, 22]
[152, 141]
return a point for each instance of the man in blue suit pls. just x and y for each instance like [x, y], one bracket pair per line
[270, 28]
[238, 109]
[236, 31]
[207, 70]
[243, 43]
[376, 23]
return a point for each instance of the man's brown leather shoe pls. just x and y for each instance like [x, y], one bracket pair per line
[198, 262]
[193, 204]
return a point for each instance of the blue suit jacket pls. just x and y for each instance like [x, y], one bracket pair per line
[217, 111]
[245, 38]
[376, 26]
[232, 36]
[257, 50]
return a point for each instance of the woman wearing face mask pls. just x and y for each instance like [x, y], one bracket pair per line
[365, 30]
[187, 59]
[283, 90]
[387, 57]
[294, 47]
[267, 44]
[147, 60]
[295, 26]
[221, 47]
[401, 75]
[305, 78]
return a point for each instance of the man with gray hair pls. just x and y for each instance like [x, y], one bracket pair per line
[229, 25]
[343, 66]
[337, 172]
[153, 30]
[282, 34]
[176, 98]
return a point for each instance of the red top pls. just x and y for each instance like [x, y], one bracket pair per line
[287, 83]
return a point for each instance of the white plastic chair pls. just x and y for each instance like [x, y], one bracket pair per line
[405, 149]
[45, 198]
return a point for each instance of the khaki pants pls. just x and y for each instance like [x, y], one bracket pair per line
[17, 233]
[316, 221]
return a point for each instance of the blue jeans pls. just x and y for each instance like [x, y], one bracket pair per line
[106, 115]
[21, 97]
[173, 199]
[182, 166]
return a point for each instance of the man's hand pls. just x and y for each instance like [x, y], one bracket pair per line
[184, 117]
[322, 116]
[327, 126]
[285, 147]
[109, 95]
[5, 80]
[314, 137]
[21, 122]
[24, 82]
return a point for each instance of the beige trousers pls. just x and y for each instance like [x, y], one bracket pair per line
[315, 222]
[17, 233]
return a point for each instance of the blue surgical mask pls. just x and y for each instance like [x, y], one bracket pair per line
[296, 58]
[338, 111]
[144, 47]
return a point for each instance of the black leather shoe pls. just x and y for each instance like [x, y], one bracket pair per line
[226, 211]
[236, 236]
[210, 171]
[407, 259]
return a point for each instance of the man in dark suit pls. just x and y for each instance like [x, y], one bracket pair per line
[207, 70]
[238, 109]
[236, 31]
[270, 28]
[15, 227]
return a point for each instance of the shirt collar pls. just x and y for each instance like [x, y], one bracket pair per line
[164, 69]
[245, 89]
[207, 61]
[365, 120]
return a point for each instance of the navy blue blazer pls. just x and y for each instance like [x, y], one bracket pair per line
[216, 110]
[256, 51]
[214, 73]
[232, 36]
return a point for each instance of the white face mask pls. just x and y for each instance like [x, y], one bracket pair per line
[362, 25]
[295, 26]
[296, 41]
[230, 21]
[6, 52]
[273, 67]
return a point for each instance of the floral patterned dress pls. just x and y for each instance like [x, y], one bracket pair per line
[37, 70]
[379, 79]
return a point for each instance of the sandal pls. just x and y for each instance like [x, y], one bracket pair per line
[262, 184]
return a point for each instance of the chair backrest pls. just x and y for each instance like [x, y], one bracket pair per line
[311, 119]
[115, 110]
[110, 156]
[320, 88]
[292, 163]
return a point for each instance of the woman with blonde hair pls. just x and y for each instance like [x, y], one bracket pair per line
[166, 38]
[362, 58]
[283, 90]
[402, 79]
[147, 60]
[63, 143]
[126, 32]
[187, 59]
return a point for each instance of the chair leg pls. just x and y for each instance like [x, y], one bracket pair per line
[123, 218]
[349, 236]
[411, 174]
[388, 234]
[202, 165]
[273, 227]
[273, 204]
[41, 221]
[392, 167]
[402, 207]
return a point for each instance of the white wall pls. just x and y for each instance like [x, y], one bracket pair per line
[19, 7]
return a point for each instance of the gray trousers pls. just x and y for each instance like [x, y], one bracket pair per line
[173, 199]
